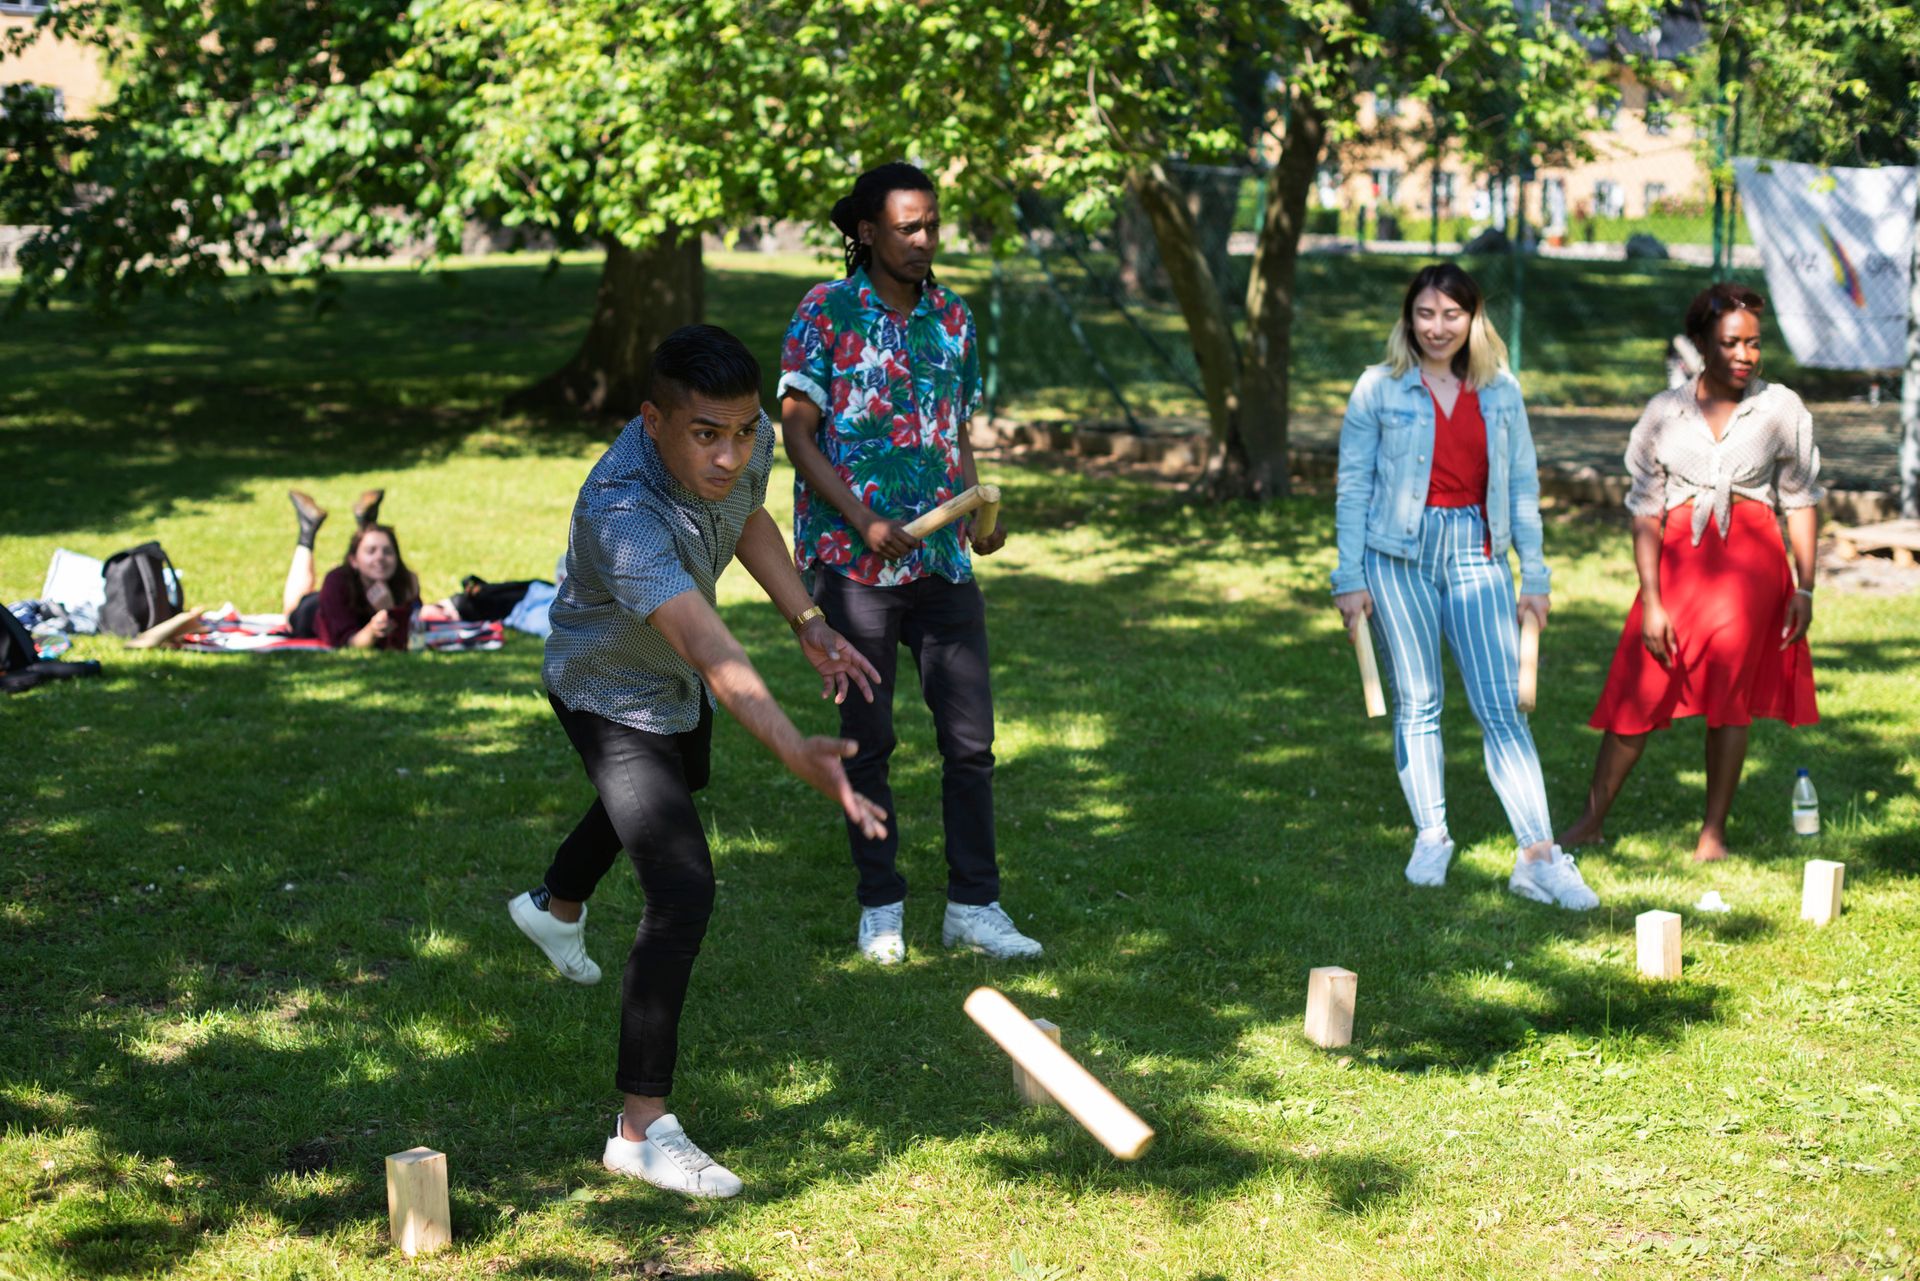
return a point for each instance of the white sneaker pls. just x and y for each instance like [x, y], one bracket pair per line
[987, 930]
[668, 1159]
[1428, 866]
[880, 938]
[1553, 879]
[565, 944]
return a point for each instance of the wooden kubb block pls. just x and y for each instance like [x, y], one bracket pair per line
[1032, 1093]
[1820, 891]
[1658, 935]
[417, 1210]
[1330, 996]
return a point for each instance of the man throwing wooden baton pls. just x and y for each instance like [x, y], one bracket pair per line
[880, 373]
[635, 662]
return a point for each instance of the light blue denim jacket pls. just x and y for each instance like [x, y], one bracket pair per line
[1386, 462]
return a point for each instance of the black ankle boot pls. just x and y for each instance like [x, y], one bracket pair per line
[310, 513]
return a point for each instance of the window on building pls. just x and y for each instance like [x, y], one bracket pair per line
[1659, 119]
[1655, 193]
[23, 6]
[1386, 184]
[1385, 105]
[1444, 187]
[56, 99]
[1607, 109]
[1326, 186]
[1609, 199]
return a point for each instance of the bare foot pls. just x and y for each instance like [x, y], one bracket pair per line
[1711, 848]
[1585, 831]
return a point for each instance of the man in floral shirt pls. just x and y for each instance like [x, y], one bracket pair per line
[880, 373]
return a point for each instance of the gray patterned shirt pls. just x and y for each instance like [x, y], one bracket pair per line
[638, 540]
[1766, 453]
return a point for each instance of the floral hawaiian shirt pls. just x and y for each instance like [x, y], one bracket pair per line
[893, 396]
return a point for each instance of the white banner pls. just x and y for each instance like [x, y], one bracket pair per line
[1837, 244]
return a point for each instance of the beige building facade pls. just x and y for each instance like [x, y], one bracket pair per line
[72, 71]
[1646, 160]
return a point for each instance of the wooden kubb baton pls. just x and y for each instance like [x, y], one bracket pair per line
[1090, 1103]
[1369, 668]
[1529, 660]
[979, 496]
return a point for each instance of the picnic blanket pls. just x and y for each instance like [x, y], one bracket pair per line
[228, 631]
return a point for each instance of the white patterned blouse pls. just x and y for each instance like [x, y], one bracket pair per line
[1766, 454]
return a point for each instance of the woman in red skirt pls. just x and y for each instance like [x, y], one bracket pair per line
[1719, 629]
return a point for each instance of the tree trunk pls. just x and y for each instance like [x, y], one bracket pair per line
[1208, 327]
[1910, 383]
[1265, 377]
[644, 295]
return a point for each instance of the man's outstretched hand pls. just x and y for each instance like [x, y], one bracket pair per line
[837, 661]
[817, 762]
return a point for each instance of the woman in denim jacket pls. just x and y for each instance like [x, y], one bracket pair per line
[1437, 482]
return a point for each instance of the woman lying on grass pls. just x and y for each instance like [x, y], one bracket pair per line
[365, 602]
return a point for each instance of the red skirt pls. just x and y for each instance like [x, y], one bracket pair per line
[1728, 601]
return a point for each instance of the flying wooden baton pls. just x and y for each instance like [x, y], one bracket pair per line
[1369, 668]
[1529, 659]
[1072, 1086]
[954, 508]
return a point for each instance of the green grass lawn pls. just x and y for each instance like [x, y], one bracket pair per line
[254, 940]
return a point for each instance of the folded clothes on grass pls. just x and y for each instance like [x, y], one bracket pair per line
[230, 632]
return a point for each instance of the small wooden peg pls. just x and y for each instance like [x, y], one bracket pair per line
[1031, 1092]
[417, 1210]
[1369, 668]
[1330, 997]
[1820, 891]
[1658, 935]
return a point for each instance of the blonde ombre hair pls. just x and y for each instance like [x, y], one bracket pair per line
[1484, 356]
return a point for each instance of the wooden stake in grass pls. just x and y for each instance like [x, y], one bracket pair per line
[1072, 1086]
[1330, 998]
[1658, 935]
[1820, 891]
[1031, 1092]
[1369, 669]
[417, 1210]
[1529, 660]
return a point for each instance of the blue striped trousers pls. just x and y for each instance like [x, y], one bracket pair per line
[1453, 590]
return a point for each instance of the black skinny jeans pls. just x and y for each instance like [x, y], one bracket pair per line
[944, 626]
[646, 784]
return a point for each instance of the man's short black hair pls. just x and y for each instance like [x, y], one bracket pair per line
[703, 359]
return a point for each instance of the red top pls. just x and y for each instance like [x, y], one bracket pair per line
[1459, 453]
[338, 618]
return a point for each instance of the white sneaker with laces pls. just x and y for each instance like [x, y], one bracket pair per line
[880, 938]
[564, 943]
[986, 930]
[1553, 879]
[668, 1159]
[1428, 866]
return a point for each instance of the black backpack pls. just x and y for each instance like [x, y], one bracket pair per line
[20, 665]
[16, 643]
[138, 595]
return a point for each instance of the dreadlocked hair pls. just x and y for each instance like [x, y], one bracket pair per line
[868, 200]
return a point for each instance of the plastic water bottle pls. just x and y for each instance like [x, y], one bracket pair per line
[1806, 806]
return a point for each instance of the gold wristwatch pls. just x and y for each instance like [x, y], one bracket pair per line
[805, 616]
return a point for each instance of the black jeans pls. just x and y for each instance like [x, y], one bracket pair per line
[646, 784]
[944, 626]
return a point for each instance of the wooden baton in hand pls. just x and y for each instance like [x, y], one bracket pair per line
[1529, 659]
[1369, 668]
[953, 509]
[1072, 1086]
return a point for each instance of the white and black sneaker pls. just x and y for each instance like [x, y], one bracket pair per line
[564, 943]
[668, 1159]
[1553, 879]
[987, 930]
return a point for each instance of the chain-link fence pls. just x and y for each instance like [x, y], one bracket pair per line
[1084, 328]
